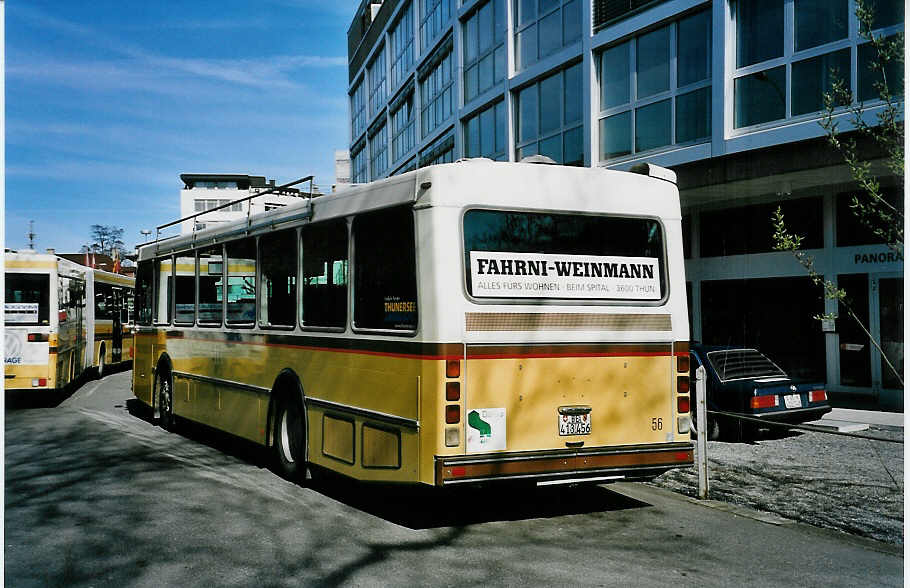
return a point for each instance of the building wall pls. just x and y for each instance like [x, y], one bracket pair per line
[727, 93]
[199, 199]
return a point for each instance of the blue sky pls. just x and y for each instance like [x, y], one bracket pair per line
[108, 102]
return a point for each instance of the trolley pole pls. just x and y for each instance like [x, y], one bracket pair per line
[701, 427]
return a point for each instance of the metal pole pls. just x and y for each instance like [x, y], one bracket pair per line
[701, 427]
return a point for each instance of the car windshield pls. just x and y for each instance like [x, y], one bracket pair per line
[738, 364]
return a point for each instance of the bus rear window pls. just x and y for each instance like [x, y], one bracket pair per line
[27, 300]
[563, 256]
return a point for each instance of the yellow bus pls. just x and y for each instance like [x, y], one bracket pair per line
[48, 325]
[460, 323]
[111, 319]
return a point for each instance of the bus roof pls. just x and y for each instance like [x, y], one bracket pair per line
[480, 182]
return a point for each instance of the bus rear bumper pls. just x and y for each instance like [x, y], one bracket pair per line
[633, 462]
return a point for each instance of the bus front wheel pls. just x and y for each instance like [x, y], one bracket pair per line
[289, 436]
[165, 402]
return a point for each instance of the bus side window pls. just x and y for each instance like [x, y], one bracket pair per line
[144, 293]
[241, 282]
[185, 289]
[278, 271]
[211, 285]
[385, 280]
[324, 251]
[165, 290]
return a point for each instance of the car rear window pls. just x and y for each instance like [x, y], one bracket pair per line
[739, 364]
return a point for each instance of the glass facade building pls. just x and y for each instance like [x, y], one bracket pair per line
[727, 93]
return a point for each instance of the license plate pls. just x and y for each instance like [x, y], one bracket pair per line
[574, 424]
[793, 401]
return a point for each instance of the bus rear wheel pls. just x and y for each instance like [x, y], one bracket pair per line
[165, 402]
[289, 439]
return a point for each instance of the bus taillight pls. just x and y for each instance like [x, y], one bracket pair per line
[682, 404]
[37, 337]
[682, 363]
[453, 414]
[682, 384]
[453, 391]
[453, 368]
[39, 382]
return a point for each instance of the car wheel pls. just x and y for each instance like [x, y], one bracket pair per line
[290, 439]
[165, 402]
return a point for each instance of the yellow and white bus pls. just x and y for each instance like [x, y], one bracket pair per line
[51, 333]
[111, 320]
[460, 323]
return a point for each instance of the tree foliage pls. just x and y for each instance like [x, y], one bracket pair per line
[885, 219]
[105, 239]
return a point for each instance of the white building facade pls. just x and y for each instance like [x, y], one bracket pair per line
[202, 192]
[727, 93]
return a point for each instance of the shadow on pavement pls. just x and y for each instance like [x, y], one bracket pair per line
[419, 507]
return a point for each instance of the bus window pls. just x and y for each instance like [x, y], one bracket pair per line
[537, 255]
[27, 299]
[144, 293]
[385, 280]
[324, 250]
[104, 301]
[278, 263]
[241, 292]
[185, 289]
[211, 283]
[165, 291]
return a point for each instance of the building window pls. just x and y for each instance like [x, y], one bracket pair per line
[747, 229]
[782, 74]
[376, 77]
[606, 11]
[646, 105]
[403, 131]
[434, 17]
[485, 133]
[359, 167]
[436, 91]
[379, 160]
[544, 28]
[484, 49]
[441, 151]
[401, 46]
[549, 118]
[358, 111]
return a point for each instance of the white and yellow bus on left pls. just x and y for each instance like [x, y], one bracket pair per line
[62, 319]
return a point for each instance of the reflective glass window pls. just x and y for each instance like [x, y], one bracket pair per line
[211, 286]
[241, 281]
[760, 97]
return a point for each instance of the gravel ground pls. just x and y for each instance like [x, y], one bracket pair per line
[843, 483]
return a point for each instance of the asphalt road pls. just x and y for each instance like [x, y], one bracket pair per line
[97, 495]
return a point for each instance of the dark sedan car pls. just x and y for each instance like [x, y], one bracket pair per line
[742, 380]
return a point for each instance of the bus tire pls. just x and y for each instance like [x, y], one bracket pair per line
[289, 439]
[100, 368]
[165, 401]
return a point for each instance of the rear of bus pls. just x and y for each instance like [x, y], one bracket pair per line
[29, 334]
[574, 325]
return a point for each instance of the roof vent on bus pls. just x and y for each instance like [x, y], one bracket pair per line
[538, 159]
[654, 171]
